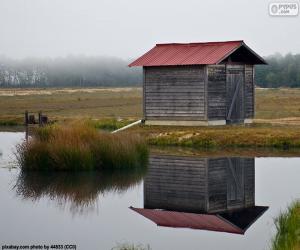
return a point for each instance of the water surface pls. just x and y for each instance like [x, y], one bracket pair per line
[95, 211]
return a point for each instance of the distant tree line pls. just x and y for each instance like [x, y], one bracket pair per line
[281, 71]
[73, 71]
[83, 71]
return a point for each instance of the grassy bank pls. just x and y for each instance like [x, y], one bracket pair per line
[288, 229]
[81, 147]
[283, 137]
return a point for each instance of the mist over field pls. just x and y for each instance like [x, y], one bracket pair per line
[87, 71]
[73, 71]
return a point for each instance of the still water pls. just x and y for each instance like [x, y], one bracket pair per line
[182, 202]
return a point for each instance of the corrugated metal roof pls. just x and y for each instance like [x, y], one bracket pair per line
[189, 220]
[189, 53]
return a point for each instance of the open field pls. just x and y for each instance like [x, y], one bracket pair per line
[65, 104]
[124, 102]
[277, 122]
[279, 106]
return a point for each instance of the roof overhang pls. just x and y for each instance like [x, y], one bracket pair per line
[175, 54]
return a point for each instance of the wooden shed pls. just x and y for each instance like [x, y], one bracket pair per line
[208, 83]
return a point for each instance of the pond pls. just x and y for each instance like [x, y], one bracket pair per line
[182, 202]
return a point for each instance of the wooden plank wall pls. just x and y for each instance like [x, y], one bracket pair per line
[249, 91]
[216, 89]
[174, 93]
[175, 183]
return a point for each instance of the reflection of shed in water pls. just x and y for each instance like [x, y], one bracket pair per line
[203, 193]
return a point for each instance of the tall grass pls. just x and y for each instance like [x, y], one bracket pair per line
[81, 147]
[288, 229]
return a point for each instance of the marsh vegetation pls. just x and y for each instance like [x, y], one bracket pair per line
[80, 146]
[288, 229]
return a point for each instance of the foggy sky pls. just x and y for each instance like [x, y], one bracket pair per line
[128, 28]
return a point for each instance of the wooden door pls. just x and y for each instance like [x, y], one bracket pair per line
[235, 108]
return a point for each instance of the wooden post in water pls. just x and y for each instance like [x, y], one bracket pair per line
[26, 125]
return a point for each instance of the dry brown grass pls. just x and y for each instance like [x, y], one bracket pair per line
[101, 103]
[81, 147]
[277, 103]
[69, 104]
[277, 115]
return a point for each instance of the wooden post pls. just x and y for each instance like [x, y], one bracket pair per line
[26, 118]
[40, 118]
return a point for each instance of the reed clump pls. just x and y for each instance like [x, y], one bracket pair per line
[81, 147]
[288, 229]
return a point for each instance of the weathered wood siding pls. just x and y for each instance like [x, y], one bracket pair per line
[174, 93]
[249, 91]
[175, 183]
[216, 92]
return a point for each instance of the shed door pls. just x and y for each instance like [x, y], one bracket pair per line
[235, 94]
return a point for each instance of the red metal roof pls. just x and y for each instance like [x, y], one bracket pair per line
[191, 54]
[189, 220]
[187, 53]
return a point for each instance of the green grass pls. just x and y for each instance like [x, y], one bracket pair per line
[9, 121]
[81, 147]
[288, 229]
[110, 124]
